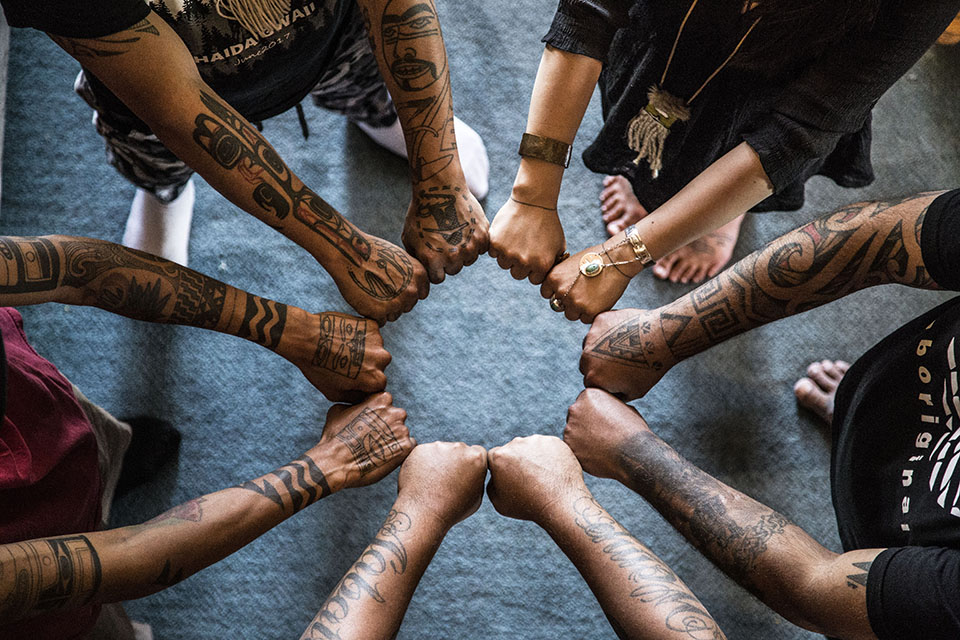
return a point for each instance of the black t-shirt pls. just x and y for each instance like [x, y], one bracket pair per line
[896, 457]
[73, 19]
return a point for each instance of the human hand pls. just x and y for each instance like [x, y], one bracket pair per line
[581, 297]
[625, 352]
[529, 475]
[443, 479]
[341, 355]
[384, 284]
[526, 239]
[445, 229]
[363, 443]
[598, 427]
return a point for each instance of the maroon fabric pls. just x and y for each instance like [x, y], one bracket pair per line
[49, 474]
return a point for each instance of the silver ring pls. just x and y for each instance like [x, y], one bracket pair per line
[556, 304]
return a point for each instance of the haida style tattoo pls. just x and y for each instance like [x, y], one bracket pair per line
[55, 573]
[293, 486]
[370, 440]
[114, 45]
[385, 553]
[341, 345]
[828, 258]
[654, 582]
[437, 214]
[855, 579]
[379, 269]
[263, 321]
[28, 265]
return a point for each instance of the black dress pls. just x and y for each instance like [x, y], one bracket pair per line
[804, 108]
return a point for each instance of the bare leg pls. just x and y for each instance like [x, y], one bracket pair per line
[817, 390]
[703, 258]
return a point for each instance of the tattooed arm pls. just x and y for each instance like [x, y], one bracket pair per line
[446, 228]
[626, 352]
[340, 355]
[150, 69]
[539, 479]
[763, 551]
[439, 485]
[360, 445]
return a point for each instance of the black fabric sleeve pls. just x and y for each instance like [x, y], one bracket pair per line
[940, 240]
[912, 593]
[834, 95]
[586, 27]
[76, 18]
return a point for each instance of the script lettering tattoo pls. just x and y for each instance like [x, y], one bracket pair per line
[828, 258]
[44, 575]
[28, 264]
[300, 483]
[859, 578]
[654, 583]
[370, 440]
[114, 45]
[341, 344]
[263, 321]
[385, 553]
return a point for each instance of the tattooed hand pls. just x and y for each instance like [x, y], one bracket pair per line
[444, 480]
[445, 230]
[598, 428]
[625, 352]
[529, 475]
[582, 297]
[527, 239]
[341, 355]
[384, 284]
[363, 443]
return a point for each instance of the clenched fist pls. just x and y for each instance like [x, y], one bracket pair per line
[444, 479]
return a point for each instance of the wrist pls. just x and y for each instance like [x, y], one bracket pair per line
[334, 471]
[428, 521]
[538, 183]
[297, 340]
[619, 250]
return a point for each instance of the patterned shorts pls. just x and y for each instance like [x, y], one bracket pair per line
[352, 85]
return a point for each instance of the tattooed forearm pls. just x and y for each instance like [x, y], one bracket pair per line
[652, 582]
[114, 45]
[859, 578]
[731, 529]
[856, 247]
[263, 321]
[341, 345]
[43, 575]
[387, 553]
[190, 511]
[28, 265]
[293, 486]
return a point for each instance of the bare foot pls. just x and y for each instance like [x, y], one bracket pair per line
[703, 258]
[816, 391]
[620, 205]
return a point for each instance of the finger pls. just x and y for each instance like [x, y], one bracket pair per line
[435, 272]
[471, 256]
[572, 313]
[398, 414]
[453, 268]
[483, 242]
[538, 274]
[423, 290]
[381, 400]
[547, 289]
[504, 261]
[520, 272]
[492, 250]
[587, 318]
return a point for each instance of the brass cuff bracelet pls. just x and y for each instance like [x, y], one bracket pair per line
[546, 149]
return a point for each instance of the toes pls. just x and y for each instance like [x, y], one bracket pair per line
[843, 366]
[819, 375]
[616, 226]
[812, 397]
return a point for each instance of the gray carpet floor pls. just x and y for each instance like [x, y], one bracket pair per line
[481, 360]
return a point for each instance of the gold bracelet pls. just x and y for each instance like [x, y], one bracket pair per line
[639, 248]
[546, 149]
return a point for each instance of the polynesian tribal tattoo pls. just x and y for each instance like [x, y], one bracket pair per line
[379, 269]
[293, 486]
[114, 45]
[654, 582]
[370, 440]
[815, 264]
[56, 573]
[385, 553]
[341, 345]
[28, 265]
[859, 578]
